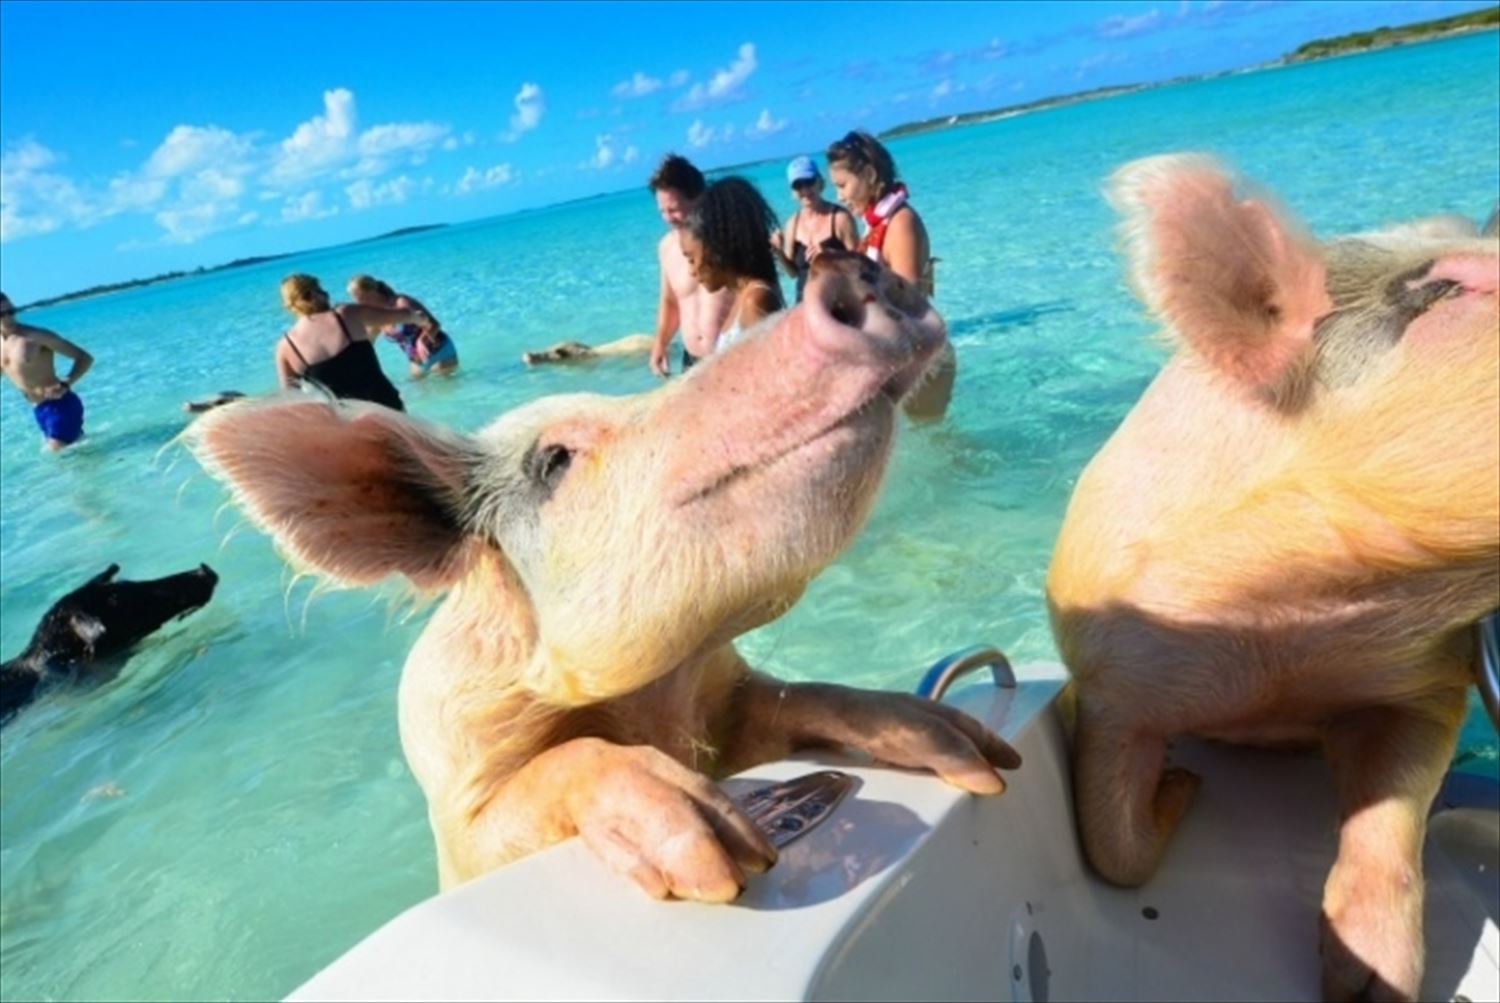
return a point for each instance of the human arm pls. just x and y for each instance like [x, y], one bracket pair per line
[905, 249]
[431, 327]
[845, 230]
[373, 318]
[779, 239]
[285, 374]
[668, 317]
[82, 360]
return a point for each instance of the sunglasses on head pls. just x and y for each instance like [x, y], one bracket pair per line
[850, 149]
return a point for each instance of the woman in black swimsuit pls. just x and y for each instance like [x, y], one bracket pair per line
[330, 345]
[817, 225]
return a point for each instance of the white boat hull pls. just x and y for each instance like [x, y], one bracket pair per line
[913, 890]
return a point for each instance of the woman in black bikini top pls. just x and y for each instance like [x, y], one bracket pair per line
[807, 185]
[353, 371]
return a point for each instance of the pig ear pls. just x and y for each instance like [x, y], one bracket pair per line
[1237, 281]
[354, 491]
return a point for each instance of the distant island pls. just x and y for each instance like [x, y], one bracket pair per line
[1380, 38]
[1320, 48]
[114, 287]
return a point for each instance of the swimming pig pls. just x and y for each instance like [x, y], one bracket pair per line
[577, 351]
[600, 555]
[92, 623]
[1289, 537]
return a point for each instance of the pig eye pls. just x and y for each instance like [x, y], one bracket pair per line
[549, 464]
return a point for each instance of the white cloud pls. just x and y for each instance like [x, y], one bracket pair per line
[1099, 59]
[699, 135]
[365, 194]
[724, 85]
[188, 222]
[639, 85]
[397, 137]
[190, 147]
[765, 125]
[34, 199]
[308, 205]
[942, 90]
[606, 154]
[134, 191]
[320, 142]
[1123, 26]
[195, 180]
[530, 104]
[995, 49]
[328, 142]
[493, 177]
[678, 78]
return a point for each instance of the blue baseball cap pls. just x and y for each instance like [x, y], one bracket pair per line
[802, 169]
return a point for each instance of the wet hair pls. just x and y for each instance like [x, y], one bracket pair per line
[734, 222]
[303, 293]
[677, 174]
[860, 149]
[370, 284]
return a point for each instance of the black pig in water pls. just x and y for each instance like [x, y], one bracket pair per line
[101, 619]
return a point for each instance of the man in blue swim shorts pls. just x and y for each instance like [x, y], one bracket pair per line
[27, 355]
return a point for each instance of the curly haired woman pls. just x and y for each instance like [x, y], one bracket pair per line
[727, 241]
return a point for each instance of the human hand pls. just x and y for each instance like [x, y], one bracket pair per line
[659, 364]
[56, 391]
[776, 238]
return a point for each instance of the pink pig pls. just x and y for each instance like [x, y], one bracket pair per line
[1289, 537]
[600, 555]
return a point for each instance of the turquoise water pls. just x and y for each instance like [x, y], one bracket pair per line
[233, 812]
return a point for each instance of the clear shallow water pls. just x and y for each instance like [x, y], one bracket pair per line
[233, 811]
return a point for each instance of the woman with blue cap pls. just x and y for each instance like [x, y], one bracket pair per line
[817, 225]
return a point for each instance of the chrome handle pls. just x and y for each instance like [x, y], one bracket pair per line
[946, 671]
[793, 808]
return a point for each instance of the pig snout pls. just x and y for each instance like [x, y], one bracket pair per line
[859, 312]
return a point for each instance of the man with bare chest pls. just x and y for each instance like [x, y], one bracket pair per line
[684, 305]
[27, 355]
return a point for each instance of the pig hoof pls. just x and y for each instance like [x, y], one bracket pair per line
[1348, 975]
[1173, 795]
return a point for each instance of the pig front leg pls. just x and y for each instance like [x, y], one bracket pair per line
[1388, 763]
[645, 815]
[897, 728]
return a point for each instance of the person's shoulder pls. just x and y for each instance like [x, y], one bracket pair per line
[40, 335]
[768, 298]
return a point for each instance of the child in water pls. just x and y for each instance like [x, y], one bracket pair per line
[428, 349]
[727, 241]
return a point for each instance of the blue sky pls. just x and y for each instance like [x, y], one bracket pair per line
[139, 138]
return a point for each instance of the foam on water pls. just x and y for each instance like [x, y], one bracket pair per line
[233, 811]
